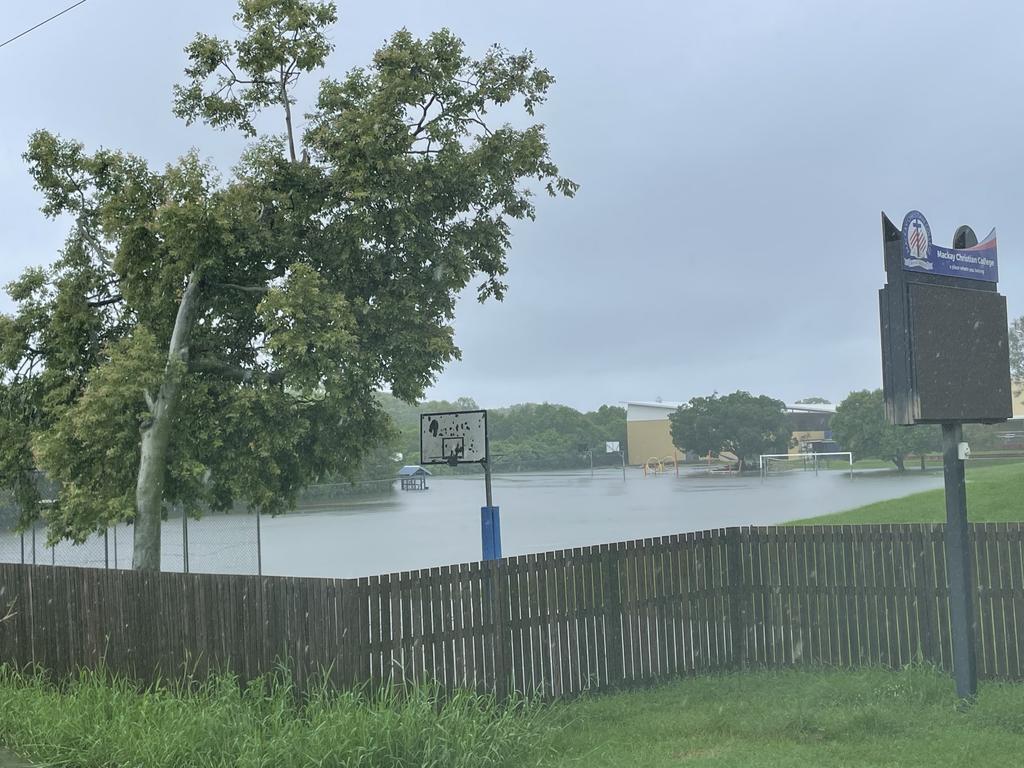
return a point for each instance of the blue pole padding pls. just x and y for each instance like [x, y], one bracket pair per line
[490, 532]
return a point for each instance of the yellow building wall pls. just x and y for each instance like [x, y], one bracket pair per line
[649, 438]
[1017, 389]
[654, 438]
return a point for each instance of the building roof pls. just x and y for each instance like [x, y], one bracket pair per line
[811, 408]
[671, 405]
[412, 469]
[668, 405]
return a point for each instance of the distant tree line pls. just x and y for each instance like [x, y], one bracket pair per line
[524, 437]
[747, 426]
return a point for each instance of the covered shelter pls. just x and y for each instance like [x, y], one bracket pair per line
[413, 477]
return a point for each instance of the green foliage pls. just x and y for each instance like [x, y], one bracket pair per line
[110, 406]
[739, 423]
[309, 329]
[860, 426]
[535, 436]
[530, 436]
[814, 401]
[405, 417]
[318, 282]
[230, 82]
[1017, 349]
[93, 721]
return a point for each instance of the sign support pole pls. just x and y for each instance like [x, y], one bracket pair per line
[490, 517]
[958, 559]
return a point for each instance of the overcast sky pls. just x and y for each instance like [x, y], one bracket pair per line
[734, 158]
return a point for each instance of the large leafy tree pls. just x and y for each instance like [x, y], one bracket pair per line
[206, 341]
[860, 426]
[740, 423]
[1017, 349]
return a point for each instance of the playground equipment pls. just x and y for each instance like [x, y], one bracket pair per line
[655, 466]
[723, 463]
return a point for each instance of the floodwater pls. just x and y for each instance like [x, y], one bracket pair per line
[407, 530]
[546, 511]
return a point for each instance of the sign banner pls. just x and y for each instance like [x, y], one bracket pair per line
[920, 254]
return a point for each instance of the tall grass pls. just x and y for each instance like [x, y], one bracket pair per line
[98, 720]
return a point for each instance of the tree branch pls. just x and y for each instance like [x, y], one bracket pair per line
[426, 108]
[105, 302]
[233, 372]
[243, 288]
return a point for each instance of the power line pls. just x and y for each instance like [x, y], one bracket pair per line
[44, 21]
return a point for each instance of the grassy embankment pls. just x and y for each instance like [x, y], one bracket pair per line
[757, 719]
[995, 494]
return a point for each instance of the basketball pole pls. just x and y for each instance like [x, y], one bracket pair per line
[490, 515]
[487, 471]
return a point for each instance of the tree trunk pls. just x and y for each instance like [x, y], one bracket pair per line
[898, 461]
[156, 436]
[922, 463]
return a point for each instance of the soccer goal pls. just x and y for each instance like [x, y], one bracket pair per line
[781, 463]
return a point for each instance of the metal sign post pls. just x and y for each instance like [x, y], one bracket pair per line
[460, 437]
[958, 564]
[945, 360]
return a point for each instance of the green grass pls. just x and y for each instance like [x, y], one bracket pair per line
[995, 494]
[793, 719]
[95, 721]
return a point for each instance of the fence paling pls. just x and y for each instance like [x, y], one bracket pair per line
[553, 624]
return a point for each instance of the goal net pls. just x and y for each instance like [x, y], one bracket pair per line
[782, 463]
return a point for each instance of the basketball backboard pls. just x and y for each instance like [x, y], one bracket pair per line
[458, 437]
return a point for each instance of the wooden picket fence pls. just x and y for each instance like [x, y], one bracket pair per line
[551, 624]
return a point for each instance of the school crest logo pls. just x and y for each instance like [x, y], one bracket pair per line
[917, 241]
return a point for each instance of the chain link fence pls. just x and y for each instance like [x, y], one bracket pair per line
[225, 543]
[215, 543]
